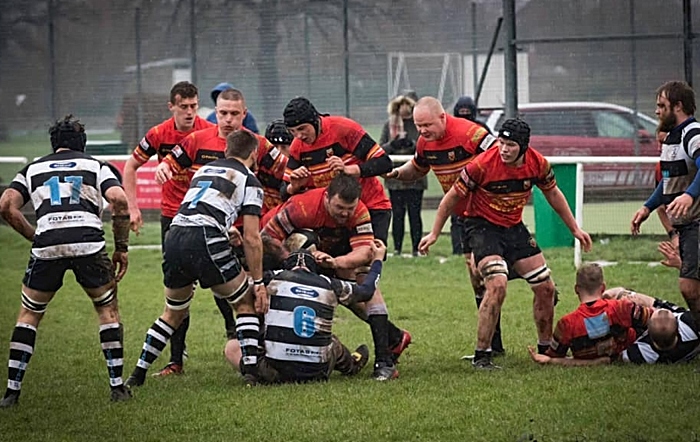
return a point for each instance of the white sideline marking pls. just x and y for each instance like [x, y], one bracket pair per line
[146, 247]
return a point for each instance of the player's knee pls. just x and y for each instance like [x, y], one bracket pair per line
[377, 309]
[494, 268]
[32, 304]
[538, 276]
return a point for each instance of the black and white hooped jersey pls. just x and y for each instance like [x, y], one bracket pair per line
[298, 324]
[688, 346]
[66, 190]
[678, 153]
[219, 193]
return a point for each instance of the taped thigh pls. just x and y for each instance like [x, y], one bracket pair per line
[237, 294]
[105, 298]
[496, 267]
[537, 276]
[33, 305]
[179, 304]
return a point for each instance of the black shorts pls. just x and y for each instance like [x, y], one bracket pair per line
[275, 372]
[197, 254]
[688, 244]
[459, 222]
[381, 218]
[91, 271]
[511, 243]
[165, 222]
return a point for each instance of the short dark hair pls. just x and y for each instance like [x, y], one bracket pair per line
[184, 89]
[231, 95]
[678, 92]
[346, 187]
[68, 133]
[240, 144]
[589, 277]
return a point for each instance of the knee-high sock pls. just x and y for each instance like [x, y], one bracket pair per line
[113, 350]
[227, 313]
[177, 342]
[248, 331]
[21, 350]
[156, 338]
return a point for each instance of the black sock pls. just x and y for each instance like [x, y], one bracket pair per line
[177, 342]
[227, 313]
[395, 334]
[21, 350]
[482, 354]
[542, 348]
[379, 326]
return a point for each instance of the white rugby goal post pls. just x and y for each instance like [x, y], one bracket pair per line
[438, 74]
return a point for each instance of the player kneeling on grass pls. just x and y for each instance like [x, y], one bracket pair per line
[66, 189]
[298, 343]
[197, 248]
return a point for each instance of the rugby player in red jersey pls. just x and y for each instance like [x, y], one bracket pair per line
[345, 237]
[497, 185]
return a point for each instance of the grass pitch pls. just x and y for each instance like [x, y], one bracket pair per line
[438, 397]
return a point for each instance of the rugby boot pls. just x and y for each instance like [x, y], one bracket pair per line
[120, 394]
[385, 371]
[401, 346]
[10, 400]
[170, 369]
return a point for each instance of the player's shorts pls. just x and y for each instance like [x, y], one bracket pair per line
[688, 244]
[197, 254]
[276, 372]
[381, 218]
[510, 243]
[459, 222]
[91, 271]
[165, 222]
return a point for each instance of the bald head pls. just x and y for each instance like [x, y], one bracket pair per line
[430, 118]
[663, 329]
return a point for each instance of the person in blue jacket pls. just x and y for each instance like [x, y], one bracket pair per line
[249, 120]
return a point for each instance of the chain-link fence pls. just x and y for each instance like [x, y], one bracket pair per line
[104, 60]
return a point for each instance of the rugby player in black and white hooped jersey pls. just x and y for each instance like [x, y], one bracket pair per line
[679, 189]
[66, 189]
[197, 248]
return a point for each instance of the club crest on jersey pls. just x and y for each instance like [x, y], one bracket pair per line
[527, 184]
[531, 241]
[329, 152]
[67, 165]
[451, 155]
[177, 151]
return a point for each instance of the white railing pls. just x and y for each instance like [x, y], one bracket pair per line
[579, 161]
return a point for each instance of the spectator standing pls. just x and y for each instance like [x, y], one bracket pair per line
[399, 136]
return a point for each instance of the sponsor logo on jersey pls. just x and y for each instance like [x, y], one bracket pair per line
[364, 228]
[212, 170]
[144, 144]
[67, 165]
[304, 291]
[177, 151]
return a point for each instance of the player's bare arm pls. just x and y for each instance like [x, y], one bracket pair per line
[10, 204]
[447, 205]
[129, 184]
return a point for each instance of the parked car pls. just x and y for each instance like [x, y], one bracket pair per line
[591, 129]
